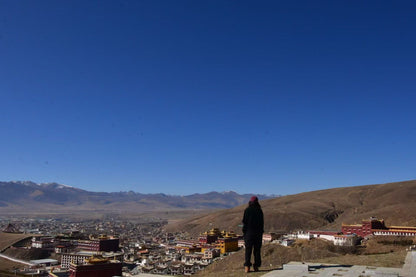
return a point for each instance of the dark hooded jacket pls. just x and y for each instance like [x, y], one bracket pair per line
[253, 220]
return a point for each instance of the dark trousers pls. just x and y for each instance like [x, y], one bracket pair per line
[253, 243]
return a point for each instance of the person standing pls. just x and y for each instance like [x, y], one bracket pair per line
[253, 228]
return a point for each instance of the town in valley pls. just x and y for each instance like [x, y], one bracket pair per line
[113, 246]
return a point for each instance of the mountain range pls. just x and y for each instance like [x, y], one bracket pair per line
[27, 196]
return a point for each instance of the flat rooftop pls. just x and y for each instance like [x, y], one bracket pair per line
[43, 261]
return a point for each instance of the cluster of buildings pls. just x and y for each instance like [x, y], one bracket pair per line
[187, 256]
[97, 256]
[352, 234]
[134, 248]
[161, 255]
[131, 249]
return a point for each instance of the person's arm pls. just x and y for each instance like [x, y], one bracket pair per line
[262, 222]
[245, 222]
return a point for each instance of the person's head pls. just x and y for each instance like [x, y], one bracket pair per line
[254, 201]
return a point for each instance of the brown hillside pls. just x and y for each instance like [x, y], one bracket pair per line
[8, 239]
[323, 209]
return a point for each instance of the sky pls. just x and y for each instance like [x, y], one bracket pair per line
[182, 97]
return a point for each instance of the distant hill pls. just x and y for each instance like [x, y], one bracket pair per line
[30, 197]
[323, 209]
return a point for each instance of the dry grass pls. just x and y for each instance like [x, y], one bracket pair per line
[378, 251]
[316, 251]
[273, 257]
[394, 259]
[7, 239]
[6, 265]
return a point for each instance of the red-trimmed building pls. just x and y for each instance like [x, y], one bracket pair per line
[103, 243]
[376, 227]
[96, 267]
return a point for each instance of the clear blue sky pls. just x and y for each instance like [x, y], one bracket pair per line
[193, 96]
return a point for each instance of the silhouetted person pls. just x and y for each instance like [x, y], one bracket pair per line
[253, 228]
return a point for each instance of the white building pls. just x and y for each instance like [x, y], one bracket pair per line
[211, 253]
[346, 240]
[304, 235]
[43, 242]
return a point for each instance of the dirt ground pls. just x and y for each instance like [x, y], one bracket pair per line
[316, 251]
